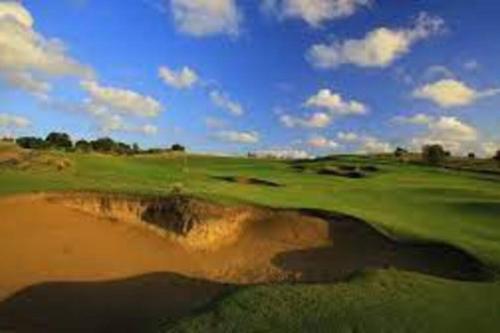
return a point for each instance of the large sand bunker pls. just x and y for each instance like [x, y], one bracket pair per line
[64, 254]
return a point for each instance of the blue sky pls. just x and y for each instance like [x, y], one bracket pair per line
[281, 76]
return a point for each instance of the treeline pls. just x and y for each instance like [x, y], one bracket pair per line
[62, 141]
[437, 154]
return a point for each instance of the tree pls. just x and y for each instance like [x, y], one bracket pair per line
[471, 156]
[497, 156]
[178, 147]
[135, 148]
[31, 142]
[399, 152]
[59, 140]
[433, 154]
[104, 145]
[83, 146]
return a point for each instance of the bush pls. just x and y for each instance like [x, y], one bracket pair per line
[59, 140]
[83, 146]
[103, 145]
[31, 142]
[434, 154]
[497, 156]
[399, 152]
[178, 147]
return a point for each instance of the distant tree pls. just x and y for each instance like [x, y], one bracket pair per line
[123, 148]
[471, 156]
[104, 145]
[178, 147]
[83, 146]
[59, 140]
[31, 142]
[399, 152]
[135, 148]
[497, 156]
[433, 154]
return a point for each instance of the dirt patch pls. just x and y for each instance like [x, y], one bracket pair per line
[105, 248]
[248, 181]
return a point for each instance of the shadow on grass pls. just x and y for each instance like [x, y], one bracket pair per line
[356, 246]
[247, 181]
[136, 304]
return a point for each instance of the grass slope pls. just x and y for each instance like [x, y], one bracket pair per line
[408, 201]
[382, 301]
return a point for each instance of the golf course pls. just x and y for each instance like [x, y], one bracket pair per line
[175, 242]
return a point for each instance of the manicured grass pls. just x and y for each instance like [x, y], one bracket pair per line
[405, 200]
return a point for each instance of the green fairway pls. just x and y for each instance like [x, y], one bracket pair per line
[407, 201]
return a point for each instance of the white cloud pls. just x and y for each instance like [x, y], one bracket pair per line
[418, 119]
[285, 153]
[450, 132]
[10, 121]
[379, 48]
[26, 81]
[238, 137]
[335, 104]
[314, 12]
[115, 100]
[472, 65]
[316, 120]
[438, 71]
[184, 78]
[222, 101]
[115, 123]
[372, 145]
[202, 18]
[448, 93]
[347, 136]
[366, 144]
[26, 54]
[321, 142]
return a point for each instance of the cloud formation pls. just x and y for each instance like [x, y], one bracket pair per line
[184, 78]
[238, 137]
[314, 12]
[201, 18]
[448, 93]
[450, 132]
[27, 58]
[366, 144]
[316, 120]
[10, 121]
[379, 48]
[334, 103]
[222, 101]
[321, 142]
[116, 100]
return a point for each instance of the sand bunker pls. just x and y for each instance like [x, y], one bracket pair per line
[129, 261]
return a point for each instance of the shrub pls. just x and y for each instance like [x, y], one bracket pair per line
[434, 154]
[178, 147]
[104, 145]
[497, 156]
[31, 142]
[399, 152]
[59, 140]
[83, 146]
